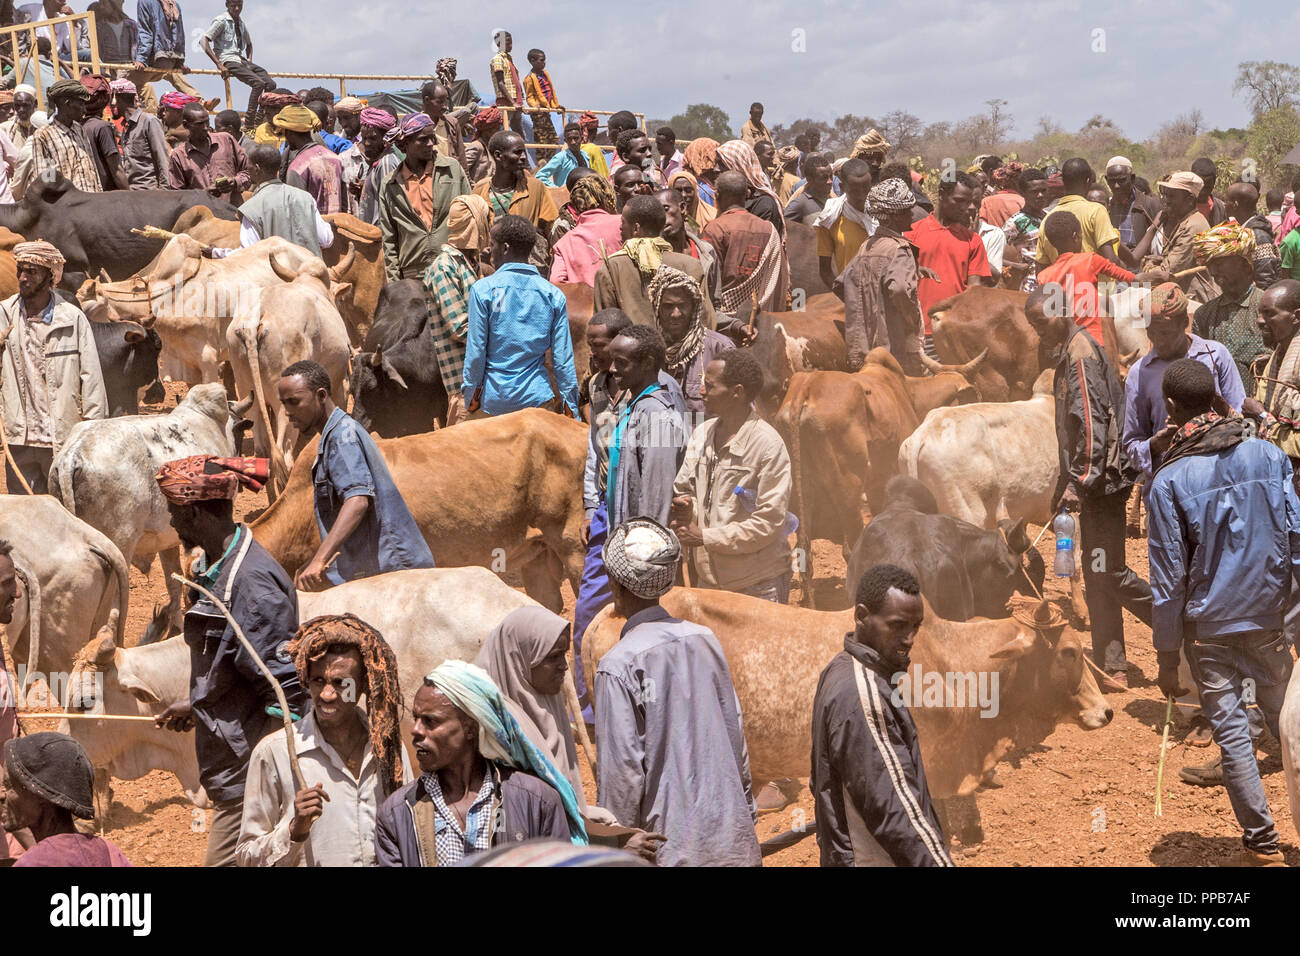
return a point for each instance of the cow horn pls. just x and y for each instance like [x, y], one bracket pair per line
[1131, 357]
[969, 368]
[240, 409]
[931, 364]
[377, 357]
[104, 276]
[343, 265]
[282, 271]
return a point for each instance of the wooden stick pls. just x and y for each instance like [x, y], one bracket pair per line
[1189, 272]
[1164, 747]
[298, 780]
[53, 715]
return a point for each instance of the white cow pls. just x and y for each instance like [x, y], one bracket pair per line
[72, 577]
[1132, 315]
[980, 459]
[294, 320]
[427, 616]
[104, 473]
[191, 300]
[1289, 732]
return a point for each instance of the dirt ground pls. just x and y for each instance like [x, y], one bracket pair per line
[1079, 798]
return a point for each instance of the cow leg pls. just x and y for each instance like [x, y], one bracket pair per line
[1077, 600]
[1289, 735]
[170, 561]
[960, 819]
[542, 575]
[1134, 516]
[103, 798]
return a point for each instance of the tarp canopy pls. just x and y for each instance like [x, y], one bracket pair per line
[1292, 158]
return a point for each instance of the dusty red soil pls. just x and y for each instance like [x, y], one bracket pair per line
[1079, 798]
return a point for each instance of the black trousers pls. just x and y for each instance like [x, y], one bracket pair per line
[258, 82]
[1111, 584]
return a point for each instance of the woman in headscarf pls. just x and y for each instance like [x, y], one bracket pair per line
[700, 155]
[738, 155]
[676, 300]
[525, 655]
[698, 212]
[594, 233]
[446, 291]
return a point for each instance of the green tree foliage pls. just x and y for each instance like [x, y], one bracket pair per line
[702, 119]
[1268, 85]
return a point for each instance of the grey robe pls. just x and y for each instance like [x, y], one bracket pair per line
[670, 748]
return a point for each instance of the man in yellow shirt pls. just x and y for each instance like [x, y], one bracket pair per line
[844, 223]
[754, 130]
[1099, 235]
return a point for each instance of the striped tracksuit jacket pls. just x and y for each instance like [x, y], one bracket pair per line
[872, 803]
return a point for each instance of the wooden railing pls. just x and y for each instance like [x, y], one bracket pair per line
[27, 66]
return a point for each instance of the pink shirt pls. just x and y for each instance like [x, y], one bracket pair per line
[1289, 221]
[577, 254]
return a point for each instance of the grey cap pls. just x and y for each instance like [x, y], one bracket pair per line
[55, 768]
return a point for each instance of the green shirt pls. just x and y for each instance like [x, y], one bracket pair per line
[1233, 323]
[1290, 252]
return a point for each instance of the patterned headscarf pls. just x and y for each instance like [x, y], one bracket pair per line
[700, 154]
[410, 124]
[592, 192]
[469, 222]
[6, 97]
[787, 154]
[738, 155]
[680, 354]
[589, 123]
[299, 119]
[445, 69]
[350, 104]
[41, 253]
[870, 143]
[889, 195]
[383, 694]
[642, 555]
[176, 100]
[500, 737]
[274, 101]
[1008, 174]
[381, 120]
[647, 252]
[1168, 301]
[486, 117]
[123, 86]
[1227, 239]
[209, 478]
[96, 86]
[698, 212]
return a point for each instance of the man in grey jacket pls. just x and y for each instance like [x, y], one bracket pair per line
[49, 372]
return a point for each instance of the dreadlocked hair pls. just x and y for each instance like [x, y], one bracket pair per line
[332, 632]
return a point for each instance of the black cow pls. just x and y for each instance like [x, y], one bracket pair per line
[93, 230]
[964, 570]
[128, 359]
[396, 387]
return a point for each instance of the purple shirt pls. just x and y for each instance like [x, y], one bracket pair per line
[672, 167]
[73, 849]
[320, 172]
[1144, 402]
[190, 167]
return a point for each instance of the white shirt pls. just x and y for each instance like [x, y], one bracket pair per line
[344, 833]
[995, 244]
[248, 236]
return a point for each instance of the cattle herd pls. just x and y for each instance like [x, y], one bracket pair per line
[952, 467]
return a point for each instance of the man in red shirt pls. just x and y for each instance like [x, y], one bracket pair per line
[948, 248]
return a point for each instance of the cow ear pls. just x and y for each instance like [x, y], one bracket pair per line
[1017, 647]
[393, 373]
[144, 695]
[105, 653]
[339, 290]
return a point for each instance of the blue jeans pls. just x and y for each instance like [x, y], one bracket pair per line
[1221, 672]
[593, 594]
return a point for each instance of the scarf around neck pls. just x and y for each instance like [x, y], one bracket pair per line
[1205, 434]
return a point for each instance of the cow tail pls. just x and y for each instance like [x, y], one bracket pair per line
[62, 484]
[279, 468]
[32, 585]
[909, 455]
[113, 559]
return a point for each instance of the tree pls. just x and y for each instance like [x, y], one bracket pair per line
[784, 135]
[846, 131]
[1268, 84]
[702, 119]
[1270, 138]
[998, 122]
[902, 130]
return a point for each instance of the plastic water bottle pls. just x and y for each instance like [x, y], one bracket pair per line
[749, 501]
[1066, 528]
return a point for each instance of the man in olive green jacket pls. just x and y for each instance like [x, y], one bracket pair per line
[49, 370]
[415, 201]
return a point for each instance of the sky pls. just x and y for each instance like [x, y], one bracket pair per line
[1138, 62]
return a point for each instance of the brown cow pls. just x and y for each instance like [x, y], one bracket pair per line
[8, 268]
[791, 342]
[503, 492]
[993, 319]
[581, 303]
[851, 427]
[356, 262]
[776, 654]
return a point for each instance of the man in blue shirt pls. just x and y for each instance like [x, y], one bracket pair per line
[1224, 550]
[515, 317]
[362, 519]
[1146, 434]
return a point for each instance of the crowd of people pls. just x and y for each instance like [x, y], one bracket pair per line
[684, 478]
